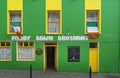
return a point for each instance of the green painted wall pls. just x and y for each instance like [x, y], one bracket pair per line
[109, 57]
[72, 23]
[3, 19]
[110, 37]
[81, 66]
[73, 17]
[110, 21]
[31, 26]
[34, 24]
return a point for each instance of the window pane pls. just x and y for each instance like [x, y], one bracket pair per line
[2, 43]
[53, 27]
[53, 22]
[15, 21]
[26, 53]
[19, 53]
[25, 43]
[7, 43]
[5, 53]
[92, 16]
[31, 44]
[73, 54]
[15, 16]
[53, 17]
[93, 45]
[1, 53]
[20, 44]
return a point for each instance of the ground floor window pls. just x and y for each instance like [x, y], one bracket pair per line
[73, 53]
[5, 51]
[26, 51]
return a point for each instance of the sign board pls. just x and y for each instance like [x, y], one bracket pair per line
[50, 38]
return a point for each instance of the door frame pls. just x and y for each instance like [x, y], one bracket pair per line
[45, 55]
[97, 55]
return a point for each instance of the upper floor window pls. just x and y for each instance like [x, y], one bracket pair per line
[92, 24]
[5, 51]
[92, 21]
[15, 22]
[53, 25]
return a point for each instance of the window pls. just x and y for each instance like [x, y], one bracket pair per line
[73, 53]
[5, 51]
[92, 23]
[15, 22]
[26, 51]
[53, 22]
[93, 45]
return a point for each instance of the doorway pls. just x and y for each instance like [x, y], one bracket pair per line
[93, 57]
[50, 57]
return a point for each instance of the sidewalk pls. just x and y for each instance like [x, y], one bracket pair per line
[53, 74]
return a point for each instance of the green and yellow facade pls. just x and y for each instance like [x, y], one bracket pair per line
[72, 32]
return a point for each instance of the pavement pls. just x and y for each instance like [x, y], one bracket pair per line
[53, 74]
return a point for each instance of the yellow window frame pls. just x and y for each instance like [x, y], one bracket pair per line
[50, 44]
[23, 46]
[8, 21]
[99, 20]
[60, 22]
[5, 47]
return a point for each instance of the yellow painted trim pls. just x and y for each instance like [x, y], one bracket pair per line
[93, 5]
[99, 20]
[8, 21]
[44, 64]
[6, 47]
[14, 5]
[85, 22]
[99, 23]
[93, 58]
[59, 21]
[54, 6]
[56, 57]
[5, 60]
[5, 44]
[24, 47]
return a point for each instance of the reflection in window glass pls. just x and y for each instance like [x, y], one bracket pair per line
[7, 43]
[53, 22]
[25, 43]
[2, 43]
[26, 51]
[5, 51]
[15, 21]
[73, 54]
